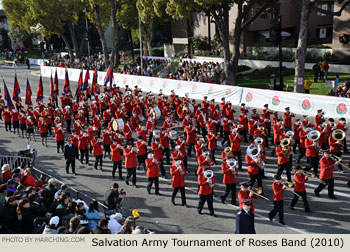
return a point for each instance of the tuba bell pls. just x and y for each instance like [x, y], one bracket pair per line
[285, 142]
[313, 135]
[253, 150]
[208, 174]
[227, 150]
[338, 135]
[231, 162]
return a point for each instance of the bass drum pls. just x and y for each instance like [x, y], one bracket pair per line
[155, 113]
[118, 124]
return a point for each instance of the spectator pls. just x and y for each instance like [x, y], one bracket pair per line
[9, 219]
[62, 230]
[69, 213]
[92, 214]
[51, 228]
[64, 188]
[112, 197]
[6, 172]
[62, 205]
[325, 69]
[49, 191]
[74, 225]
[316, 68]
[37, 205]
[25, 217]
[83, 230]
[128, 226]
[307, 85]
[336, 81]
[102, 227]
[115, 223]
[322, 70]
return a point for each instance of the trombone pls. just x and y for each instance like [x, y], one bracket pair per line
[307, 173]
[337, 159]
[255, 191]
[286, 183]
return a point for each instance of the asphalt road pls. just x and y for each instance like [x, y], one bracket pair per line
[158, 214]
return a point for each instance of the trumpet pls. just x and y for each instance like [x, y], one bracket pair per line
[257, 192]
[261, 128]
[227, 150]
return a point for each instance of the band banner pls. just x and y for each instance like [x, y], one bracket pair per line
[303, 104]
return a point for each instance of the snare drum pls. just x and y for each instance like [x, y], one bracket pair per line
[155, 113]
[118, 124]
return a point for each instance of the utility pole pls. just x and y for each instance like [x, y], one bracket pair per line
[140, 33]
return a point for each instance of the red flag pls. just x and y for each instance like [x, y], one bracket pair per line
[7, 96]
[94, 82]
[86, 81]
[80, 83]
[52, 90]
[66, 87]
[40, 92]
[16, 89]
[109, 76]
[28, 100]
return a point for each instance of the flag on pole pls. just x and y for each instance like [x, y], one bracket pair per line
[7, 96]
[56, 82]
[40, 92]
[86, 81]
[28, 100]
[52, 89]
[94, 82]
[80, 83]
[16, 89]
[66, 87]
[109, 76]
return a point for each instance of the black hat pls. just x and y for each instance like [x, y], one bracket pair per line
[298, 168]
[277, 177]
[286, 108]
[245, 184]
[242, 104]
[139, 137]
[115, 185]
[266, 105]
[247, 202]
[326, 151]
[319, 110]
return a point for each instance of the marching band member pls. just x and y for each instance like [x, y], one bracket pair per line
[43, 130]
[30, 128]
[22, 122]
[127, 131]
[236, 139]
[191, 133]
[326, 174]
[130, 154]
[15, 120]
[300, 179]
[83, 146]
[243, 122]
[106, 141]
[141, 145]
[59, 137]
[178, 173]
[150, 125]
[278, 190]
[288, 119]
[117, 159]
[206, 186]
[302, 147]
[157, 149]
[277, 132]
[283, 152]
[201, 120]
[267, 115]
[312, 149]
[212, 144]
[319, 117]
[335, 149]
[229, 169]
[226, 129]
[97, 151]
[97, 123]
[342, 125]
[152, 174]
[67, 113]
[296, 136]
[106, 117]
[252, 126]
[254, 172]
[164, 140]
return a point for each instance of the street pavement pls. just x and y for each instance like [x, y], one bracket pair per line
[157, 213]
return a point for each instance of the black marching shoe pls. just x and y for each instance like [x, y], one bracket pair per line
[212, 214]
[282, 222]
[317, 194]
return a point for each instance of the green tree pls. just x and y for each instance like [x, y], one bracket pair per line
[219, 10]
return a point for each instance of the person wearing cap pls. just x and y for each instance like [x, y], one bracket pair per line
[284, 162]
[70, 153]
[277, 133]
[245, 219]
[335, 147]
[243, 122]
[115, 223]
[319, 117]
[327, 164]
[245, 193]
[178, 173]
[312, 155]
[254, 172]
[252, 126]
[152, 174]
[112, 198]
[205, 191]
[288, 119]
[278, 189]
[51, 228]
[117, 159]
[130, 154]
[267, 116]
[97, 151]
[299, 188]
[236, 139]
[229, 180]
[342, 125]
[141, 145]
[158, 149]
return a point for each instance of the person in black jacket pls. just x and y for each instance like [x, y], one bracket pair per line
[316, 68]
[70, 153]
[245, 219]
[10, 215]
[25, 218]
[49, 191]
[37, 205]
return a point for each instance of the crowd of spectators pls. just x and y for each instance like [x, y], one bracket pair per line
[31, 205]
[341, 90]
